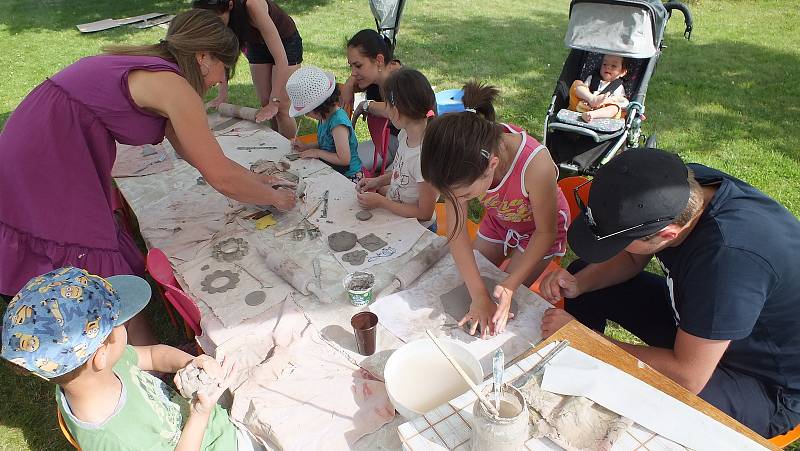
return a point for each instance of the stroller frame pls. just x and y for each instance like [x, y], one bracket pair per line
[596, 148]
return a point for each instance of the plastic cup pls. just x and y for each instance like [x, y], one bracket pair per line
[359, 296]
[365, 325]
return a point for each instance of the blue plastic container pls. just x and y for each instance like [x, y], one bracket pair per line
[449, 101]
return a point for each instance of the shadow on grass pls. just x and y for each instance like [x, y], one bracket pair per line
[24, 15]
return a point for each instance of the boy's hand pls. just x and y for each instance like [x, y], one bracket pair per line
[204, 401]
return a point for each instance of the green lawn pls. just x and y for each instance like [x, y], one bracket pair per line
[723, 99]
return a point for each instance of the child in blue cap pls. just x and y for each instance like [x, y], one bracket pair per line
[66, 327]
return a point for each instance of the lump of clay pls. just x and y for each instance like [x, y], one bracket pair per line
[342, 241]
[372, 242]
[194, 379]
[355, 258]
[364, 215]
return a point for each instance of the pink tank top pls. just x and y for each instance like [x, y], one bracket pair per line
[508, 202]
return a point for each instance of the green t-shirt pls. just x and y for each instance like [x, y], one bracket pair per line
[150, 415]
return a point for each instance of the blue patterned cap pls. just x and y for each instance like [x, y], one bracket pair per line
[59, 319]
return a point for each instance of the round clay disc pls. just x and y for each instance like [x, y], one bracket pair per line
[364, 215]
[255, 298]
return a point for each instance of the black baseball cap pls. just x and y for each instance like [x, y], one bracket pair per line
[634, 195]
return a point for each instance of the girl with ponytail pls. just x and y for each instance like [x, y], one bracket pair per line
[469, 155]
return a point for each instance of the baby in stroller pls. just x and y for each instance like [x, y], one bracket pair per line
[603, 97]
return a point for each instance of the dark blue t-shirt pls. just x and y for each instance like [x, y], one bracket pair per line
[737, 277]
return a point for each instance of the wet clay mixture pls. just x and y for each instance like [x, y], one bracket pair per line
[456, 301]
[342, 241]
[355, 258]
[364, 215]
[371, 242]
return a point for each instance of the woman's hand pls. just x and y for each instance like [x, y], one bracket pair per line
[368, 200]
[267, 112]
[284, 198]
[204, 401]
[480, 314]
[503, 294]
[361, 110]
[272, 180]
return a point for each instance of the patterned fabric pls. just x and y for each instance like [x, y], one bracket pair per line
[149, 415]
[58, 320]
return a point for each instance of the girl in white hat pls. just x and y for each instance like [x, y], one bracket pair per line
[313, 92]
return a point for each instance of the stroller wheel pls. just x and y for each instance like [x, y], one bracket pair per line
[651, 141]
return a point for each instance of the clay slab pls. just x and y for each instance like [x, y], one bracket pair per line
[372, 242]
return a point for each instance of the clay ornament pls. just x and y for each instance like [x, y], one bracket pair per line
[371, 242]
[355, 258]
[342, 241]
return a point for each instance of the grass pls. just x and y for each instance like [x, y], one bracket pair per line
[722, 99]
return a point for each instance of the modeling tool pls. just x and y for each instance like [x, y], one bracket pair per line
[520, 382]
[156, 161]
[317, 271]
[464, 375]
[308, 215]
[255, 147]
[498, 366]
[324, 205]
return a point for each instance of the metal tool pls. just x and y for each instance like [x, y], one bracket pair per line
[498, 367]
[521, 381]
[317, 271]
[255, 147]
[159, 160]
[325, 205]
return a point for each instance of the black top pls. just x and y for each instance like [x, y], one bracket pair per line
[737, 277]
[373, 92]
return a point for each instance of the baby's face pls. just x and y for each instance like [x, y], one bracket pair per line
[612, 68]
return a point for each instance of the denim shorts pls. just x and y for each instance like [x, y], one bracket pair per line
[258, 53]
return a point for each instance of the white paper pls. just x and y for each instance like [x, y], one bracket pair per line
[572, 372]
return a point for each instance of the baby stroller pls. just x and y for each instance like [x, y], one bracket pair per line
[633, 29]
[387, 17]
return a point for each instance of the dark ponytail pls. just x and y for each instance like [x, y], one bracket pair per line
[371, 44]
[410, 92]
[480, 97]
[457, 146]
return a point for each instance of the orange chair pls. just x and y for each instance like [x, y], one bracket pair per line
[64, 430]
[782, 441]
[441, 223]
[568, 185]
[160, 269]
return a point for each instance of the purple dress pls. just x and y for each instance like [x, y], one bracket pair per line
[57, 150]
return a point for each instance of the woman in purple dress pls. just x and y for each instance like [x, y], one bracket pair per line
[57, 150]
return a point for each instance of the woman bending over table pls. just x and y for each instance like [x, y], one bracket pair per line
[58, 149]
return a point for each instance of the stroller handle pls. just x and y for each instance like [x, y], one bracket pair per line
[687, 16]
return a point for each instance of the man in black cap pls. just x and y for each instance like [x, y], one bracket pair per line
[725, 321]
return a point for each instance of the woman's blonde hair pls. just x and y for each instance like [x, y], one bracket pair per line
[190, 32]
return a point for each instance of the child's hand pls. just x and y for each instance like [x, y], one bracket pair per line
[309, 154]
[480, 314]
[297, 146]
[598, 100]
[503, 295]
[368, 201]
[204, 401]
[367, 184]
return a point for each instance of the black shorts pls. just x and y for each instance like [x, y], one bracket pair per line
[258, 53]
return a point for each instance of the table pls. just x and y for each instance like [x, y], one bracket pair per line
[142, 193]
[590, 342]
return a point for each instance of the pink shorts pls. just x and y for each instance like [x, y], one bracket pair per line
[516, 235]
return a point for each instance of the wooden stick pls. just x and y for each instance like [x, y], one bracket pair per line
[464, 375]
[308, 215]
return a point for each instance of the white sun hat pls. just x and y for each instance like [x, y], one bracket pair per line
[308, 87]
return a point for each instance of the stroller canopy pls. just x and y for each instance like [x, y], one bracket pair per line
[387, 16]
[629, 28]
